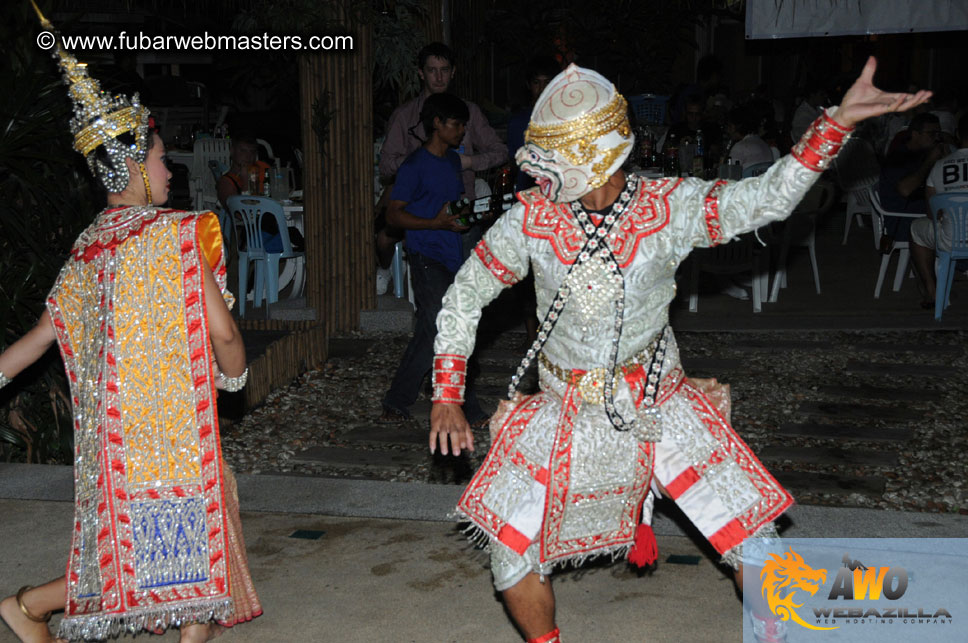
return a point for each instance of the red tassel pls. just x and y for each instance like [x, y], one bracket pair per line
[644, 551]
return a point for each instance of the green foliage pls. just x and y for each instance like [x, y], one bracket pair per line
[397, 38]
[46, 199]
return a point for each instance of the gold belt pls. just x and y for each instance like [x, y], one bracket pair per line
[591, 383]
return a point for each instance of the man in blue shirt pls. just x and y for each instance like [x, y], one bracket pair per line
[428, 181]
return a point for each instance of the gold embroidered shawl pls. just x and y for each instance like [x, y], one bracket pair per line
[149, 541]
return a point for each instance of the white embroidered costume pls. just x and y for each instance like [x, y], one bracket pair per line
[570, 467]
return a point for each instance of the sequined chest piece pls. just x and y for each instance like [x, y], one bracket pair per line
[595, 287]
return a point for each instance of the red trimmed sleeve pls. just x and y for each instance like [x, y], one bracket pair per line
[711, 211]
[821, 142]
[501, 272]
[450, 373]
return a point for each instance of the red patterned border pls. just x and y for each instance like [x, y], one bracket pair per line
[501, 272]
[471, 501]
[450, 373]
[559, 496]
[712, 213]
[636, 378]
[775, 499]
[200, 351]
[820, 143]
[648, 213]
[111, 233]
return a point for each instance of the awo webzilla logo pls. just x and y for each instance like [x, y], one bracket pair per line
[855, 594]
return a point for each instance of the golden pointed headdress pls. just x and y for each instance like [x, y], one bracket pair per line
[100, 118]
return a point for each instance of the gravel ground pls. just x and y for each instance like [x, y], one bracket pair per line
[772, 375]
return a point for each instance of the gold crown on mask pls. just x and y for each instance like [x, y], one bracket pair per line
[100, 118]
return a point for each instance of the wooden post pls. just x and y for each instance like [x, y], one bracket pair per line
[339, 183]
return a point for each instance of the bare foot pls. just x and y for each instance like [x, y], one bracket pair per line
[25, 629]
[200, 632]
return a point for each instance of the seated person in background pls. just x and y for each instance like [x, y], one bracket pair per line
[244, 159]
[903, 175]
[949, 174]
[747, 147]
[426, 183]
[685, 130]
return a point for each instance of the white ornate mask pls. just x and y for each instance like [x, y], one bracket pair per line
[579, 135]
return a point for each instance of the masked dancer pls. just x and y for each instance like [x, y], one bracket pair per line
[572, 470]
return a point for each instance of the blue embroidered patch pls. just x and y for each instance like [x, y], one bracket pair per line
[171, 542]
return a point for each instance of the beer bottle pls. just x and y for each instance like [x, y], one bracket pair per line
[670, 166]
[698, 161]
[266, 184]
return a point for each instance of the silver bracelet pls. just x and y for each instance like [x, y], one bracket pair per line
[233, 384]
[4, 380]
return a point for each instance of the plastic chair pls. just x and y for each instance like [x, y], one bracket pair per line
[202, 181]
[858, 203]
[264, 144]
[756, 169]
[903, 247]
[730, 258]
[649, 109]
[249, 210]
[953, 206]
[856, 168]
[224, 222]
[817, 201]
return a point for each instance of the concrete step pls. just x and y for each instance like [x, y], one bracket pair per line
[828, 455]
[846, 432]
[403, 433]
[891, 369]
[866, 391]
[830, 483]
[852, 411]
[362, 458]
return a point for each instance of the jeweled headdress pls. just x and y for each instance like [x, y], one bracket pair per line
[99, 118]
[579, 135]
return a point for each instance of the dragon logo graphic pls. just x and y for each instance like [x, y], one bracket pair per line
[785, 575]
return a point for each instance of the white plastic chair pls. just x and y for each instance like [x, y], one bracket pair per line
[225, 223]
[249, 211]
[856, 168]
[202, 180]
[955, 210]
[903, 247]
[817, 201]
[268, 149]
[737, 256]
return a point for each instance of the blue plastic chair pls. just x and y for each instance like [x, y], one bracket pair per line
[249, 211]
[649, 109]
[953, 206]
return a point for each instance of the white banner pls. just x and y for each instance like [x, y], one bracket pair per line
[802, 18]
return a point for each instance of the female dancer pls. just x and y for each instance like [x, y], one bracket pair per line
[141, 316]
